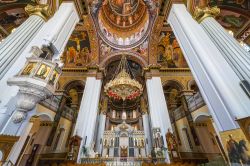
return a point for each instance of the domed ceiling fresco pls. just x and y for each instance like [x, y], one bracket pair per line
[123, 24]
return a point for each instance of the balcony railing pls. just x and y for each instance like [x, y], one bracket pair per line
[52, 102]
[68, 113]
[120, 160]
[118, 119]
[179, 113]
[195, 102]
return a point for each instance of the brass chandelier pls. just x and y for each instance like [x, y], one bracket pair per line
[122, 86]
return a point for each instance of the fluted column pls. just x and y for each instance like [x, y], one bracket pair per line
[101, 127]
[16, 150]
[12, 47]
[146, 128]
[86, 120]
[158, 109]
[235, 55]
[63, 33]
[217, 81]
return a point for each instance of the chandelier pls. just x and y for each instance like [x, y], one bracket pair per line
[122, 86]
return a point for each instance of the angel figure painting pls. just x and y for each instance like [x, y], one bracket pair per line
[169, 53]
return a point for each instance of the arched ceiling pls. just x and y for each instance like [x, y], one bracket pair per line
[112, 25]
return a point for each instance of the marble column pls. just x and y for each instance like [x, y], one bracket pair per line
[86, 120]
[8, 94]
[101, 127]
[146, 128]
[217, 81]
[235, 55]
[16, 150]
[12, 47]
[158, 108]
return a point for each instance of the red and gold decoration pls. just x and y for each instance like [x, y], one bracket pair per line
[123, 86]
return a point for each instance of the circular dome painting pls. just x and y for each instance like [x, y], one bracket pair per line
[123, 23]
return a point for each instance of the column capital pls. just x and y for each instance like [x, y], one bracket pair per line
[41, 10]
[95, 71]
[152, 71]
[202, 13]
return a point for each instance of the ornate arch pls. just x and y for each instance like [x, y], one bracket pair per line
[175, 83]
[116, 55]
[72, 84]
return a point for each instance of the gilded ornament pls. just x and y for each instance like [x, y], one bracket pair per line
[123, 86]
[143, 106]
[41, 10]
[202, 13]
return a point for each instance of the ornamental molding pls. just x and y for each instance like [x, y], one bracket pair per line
[201, 14]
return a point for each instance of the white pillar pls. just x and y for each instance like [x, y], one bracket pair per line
[60, 28]
[146, 128]
[158, 108]
[235, 55]
[16, 150]
[101, 128]
[86, 120]
[217, 81]
[41, 38]
[12, 47]
[232, 51]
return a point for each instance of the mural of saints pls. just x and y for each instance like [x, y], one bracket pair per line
[77, 52]
[27, 70]
[237, 151]
[43, 71]
[169, 53]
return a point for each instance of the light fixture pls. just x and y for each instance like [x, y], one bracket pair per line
[123, 86]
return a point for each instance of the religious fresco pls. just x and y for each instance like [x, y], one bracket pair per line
[105, 49]
[77, 52]
[142, 49]
[12, 18]
[169, 53]
[242, 4]
[231, 20]
[237, 147]
[29, 68]
[43, 71]
[54, 77]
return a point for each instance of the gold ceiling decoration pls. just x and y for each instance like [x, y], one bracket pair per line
[123, 86]
[119, 16]
[202, 13]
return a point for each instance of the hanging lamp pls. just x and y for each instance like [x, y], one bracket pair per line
[122, 86]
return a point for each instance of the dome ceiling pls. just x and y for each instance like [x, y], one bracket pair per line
[123, 16]
[123, 22]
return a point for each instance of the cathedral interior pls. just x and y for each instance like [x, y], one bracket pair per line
[125, 82]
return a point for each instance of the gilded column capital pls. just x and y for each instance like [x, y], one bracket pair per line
[41, 10]
[202, 13]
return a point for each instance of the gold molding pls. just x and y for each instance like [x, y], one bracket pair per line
[201, 14]
[39, 10]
